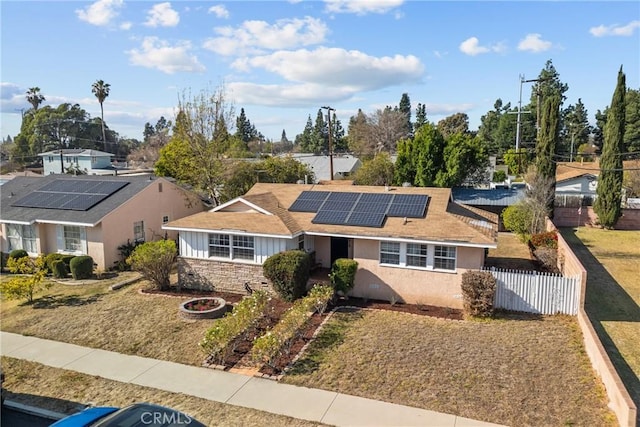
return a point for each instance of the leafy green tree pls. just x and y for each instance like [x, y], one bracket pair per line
[31, 280]
[377, 171]
[517, 161]
[155, 261]
[405, 166]
[608, 203]
[101, 91]
[632, 121]
[357, 134]
[34, 97]
[456, 123]
[575, 130]
[464, 158]
[518, 218]
[429, 155]
[548, 84]
[547, 140]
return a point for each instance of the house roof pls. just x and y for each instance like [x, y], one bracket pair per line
[342, 163]
[492, 197]
[445, 221]
[21, 186]
[79, 152]
[570, 170]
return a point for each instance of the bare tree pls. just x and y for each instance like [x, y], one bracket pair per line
[539, 195]
[384, 129]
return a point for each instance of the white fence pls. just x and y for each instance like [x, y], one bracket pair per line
[536, 292]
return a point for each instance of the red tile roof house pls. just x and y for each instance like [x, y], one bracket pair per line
[88, 214]
[400, 258]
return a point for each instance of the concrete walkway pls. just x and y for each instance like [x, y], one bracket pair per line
[235, 389]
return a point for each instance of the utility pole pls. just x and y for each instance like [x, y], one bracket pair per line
[519, 112]
[329, 110]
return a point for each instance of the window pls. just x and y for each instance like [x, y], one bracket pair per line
[219, 245]
[416, 255]
[390, 253]
[22, 237]
[72, 238]
[445, 258]
[243, 247]
[231, 247]
[50, 158]
[165, 219]
[138, 231]
[301, 242]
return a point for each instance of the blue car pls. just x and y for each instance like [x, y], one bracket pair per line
[139, 414]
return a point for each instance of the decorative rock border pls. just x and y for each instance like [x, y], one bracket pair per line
[213, 313]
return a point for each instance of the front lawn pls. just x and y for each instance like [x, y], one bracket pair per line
[517, 370]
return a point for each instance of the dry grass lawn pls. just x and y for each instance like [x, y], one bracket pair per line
[612, 260]
[515, 371]
[62, 391]
[511, 254]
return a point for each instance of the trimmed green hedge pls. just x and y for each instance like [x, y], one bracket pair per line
[81, 267]
[288, 271]
[18, 253]
[59, 269]
[343, 274]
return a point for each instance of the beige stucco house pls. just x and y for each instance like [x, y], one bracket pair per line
[412, 259]
[89, 215]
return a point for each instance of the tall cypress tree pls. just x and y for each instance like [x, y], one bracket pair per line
[546, 145]
[607, 205]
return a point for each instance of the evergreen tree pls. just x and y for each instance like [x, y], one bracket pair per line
[405, 108]
[357, 133]
[607, 205]
[405, 168]
[421, 116]
[304, 141]
[632, 121]
[429, 154]
[547, 140]
[320, 139]
[338, 140]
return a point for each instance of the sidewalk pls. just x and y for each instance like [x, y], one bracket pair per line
[220, 386]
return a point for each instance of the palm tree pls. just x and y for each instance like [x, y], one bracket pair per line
[34, 97]
[101, 90]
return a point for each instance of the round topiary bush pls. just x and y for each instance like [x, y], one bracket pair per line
[288, 271]
[18, 253]
[81, 267]
[343, 274]
[59, 269]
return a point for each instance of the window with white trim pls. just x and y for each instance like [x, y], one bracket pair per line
[231, 247]
[22, 236]
[390, 253]
[72, 238]
[138, 231]
[301, 242]
[444, 258]
[219, 245]
[243, 247]
[417, 255]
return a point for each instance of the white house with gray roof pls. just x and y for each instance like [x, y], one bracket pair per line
[344, 165]
[90, 162]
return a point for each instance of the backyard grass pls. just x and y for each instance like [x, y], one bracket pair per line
[510, 254]
[516, 370]
[63, 391]
[612, 261]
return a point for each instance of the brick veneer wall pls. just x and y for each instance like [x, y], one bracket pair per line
[221, 276]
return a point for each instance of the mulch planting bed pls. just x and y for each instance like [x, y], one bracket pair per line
[277, 308]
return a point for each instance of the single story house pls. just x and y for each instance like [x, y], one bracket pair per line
[576, 182]
[90, 162]
[88, 214]
[344, 165]
[411, 244]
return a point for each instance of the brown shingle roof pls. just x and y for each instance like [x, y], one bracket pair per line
[445, 221]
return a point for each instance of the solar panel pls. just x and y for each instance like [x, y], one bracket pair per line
[410, 199]
[302, 205]
[371, 207]
[313, 195]
[330, 217]
[366, 219]
[337, 205]
[410, 211]
[343, 197]
[375, 198]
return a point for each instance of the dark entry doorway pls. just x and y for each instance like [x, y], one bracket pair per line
[339, 248]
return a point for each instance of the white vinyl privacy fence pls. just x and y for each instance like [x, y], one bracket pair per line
[536, 292]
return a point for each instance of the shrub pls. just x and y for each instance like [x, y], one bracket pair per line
[18, 253]
[244, 316]
[343, 274]
[478, 292]
[288, 271]
[548, 239]
[52, 257]
[518, 218]
[155, 261]
[4, 257]
[499, 176]
[59, 269]
[548, 258]
[34, 272]
[319, 296]
[81, 267]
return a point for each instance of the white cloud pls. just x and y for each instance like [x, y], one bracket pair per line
[126, 25]
[156, 53]
[257, 36]
[534, 43]
[220, 11]
[101, 12]
[335, 67]
[361, 7]
[615, 30]
[471, 46]
[162, 15]
[12, 98]
[286, 95]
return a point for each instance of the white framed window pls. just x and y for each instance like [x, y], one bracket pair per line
[138, 231]
[243, 247]
[301, 242]
[417, 255]
[390, 253]
[444, 258]
[219, 246]
[72, 238]
[22, 236]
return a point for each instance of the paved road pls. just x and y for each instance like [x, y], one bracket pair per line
[11, 418]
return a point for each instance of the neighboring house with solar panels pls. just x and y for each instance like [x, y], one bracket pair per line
[411, 244]
[91, 162]
[89, 215]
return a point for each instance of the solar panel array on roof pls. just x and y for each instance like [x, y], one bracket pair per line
[70, 194]
[360, 209]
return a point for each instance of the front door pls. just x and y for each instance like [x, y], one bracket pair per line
[339, 248]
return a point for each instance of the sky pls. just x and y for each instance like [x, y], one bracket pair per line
[283, 60]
